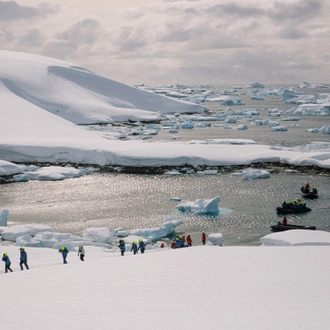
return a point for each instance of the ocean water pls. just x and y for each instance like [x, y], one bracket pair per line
[247, 207]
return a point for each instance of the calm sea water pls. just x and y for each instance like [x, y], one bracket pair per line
[247, 207]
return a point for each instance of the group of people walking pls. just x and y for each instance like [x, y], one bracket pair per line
[23, 257]
[64, 251]
[179, 241]
[22, 260]
[136, 247]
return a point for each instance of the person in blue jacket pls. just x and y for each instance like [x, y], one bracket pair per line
[142, 245]
[64, 251]
[7, 262]
[122, 246]
[23, 258]
[134, 248]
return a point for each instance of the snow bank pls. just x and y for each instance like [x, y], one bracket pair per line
[215, 239]
[297, 237]
[42, 236]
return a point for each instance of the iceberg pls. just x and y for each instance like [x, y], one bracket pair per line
[201, 206]
[167, 228]
[257, 85]
[3, 219]
[13, 232]
[255, 174]
[290, 97]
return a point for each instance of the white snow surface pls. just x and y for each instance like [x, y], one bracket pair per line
[297, 237]
[42, 100]
[232, 288]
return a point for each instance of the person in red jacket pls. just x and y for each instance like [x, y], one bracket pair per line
[189, 240]
[203, 238]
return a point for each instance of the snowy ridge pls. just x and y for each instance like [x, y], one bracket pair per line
[78, 95]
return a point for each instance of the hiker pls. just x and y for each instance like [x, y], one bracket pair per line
[189, 240]
[23, 258]
[134, 248]
[173, 244]
[178, 242]
[7, 262]
[64, 251]
[142, 246]
[203, 238]
[122, 246]
[81, 252]
[284, 221]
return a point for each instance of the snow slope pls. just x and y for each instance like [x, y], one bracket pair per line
[77, 94]
[204, 287]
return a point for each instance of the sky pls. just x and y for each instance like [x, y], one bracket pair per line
[168, 42]
[256, 288]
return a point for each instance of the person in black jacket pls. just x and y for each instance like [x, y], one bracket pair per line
[122, 246]
[7, 262]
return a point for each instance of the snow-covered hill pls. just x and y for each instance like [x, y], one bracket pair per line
[77, 94]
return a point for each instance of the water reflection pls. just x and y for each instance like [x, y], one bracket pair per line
[247, 207]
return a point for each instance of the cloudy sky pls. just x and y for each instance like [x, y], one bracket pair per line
[173, 41]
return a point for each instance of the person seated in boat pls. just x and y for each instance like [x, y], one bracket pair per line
[284, 221]
[288, 204]
[314, 190]
[307, 188]
[299, 204]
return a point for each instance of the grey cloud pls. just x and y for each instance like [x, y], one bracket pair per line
[278, 11]
[6, 37]
[131, 45]
[32, 38]
[86, 31]
[10, 10]
[177, 36]
[59, 49]
[299, 10]
[292, 33]
[235, 10]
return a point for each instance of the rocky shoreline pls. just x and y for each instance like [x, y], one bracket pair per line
[273, 168]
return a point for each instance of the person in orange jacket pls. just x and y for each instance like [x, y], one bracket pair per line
[189, 240]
